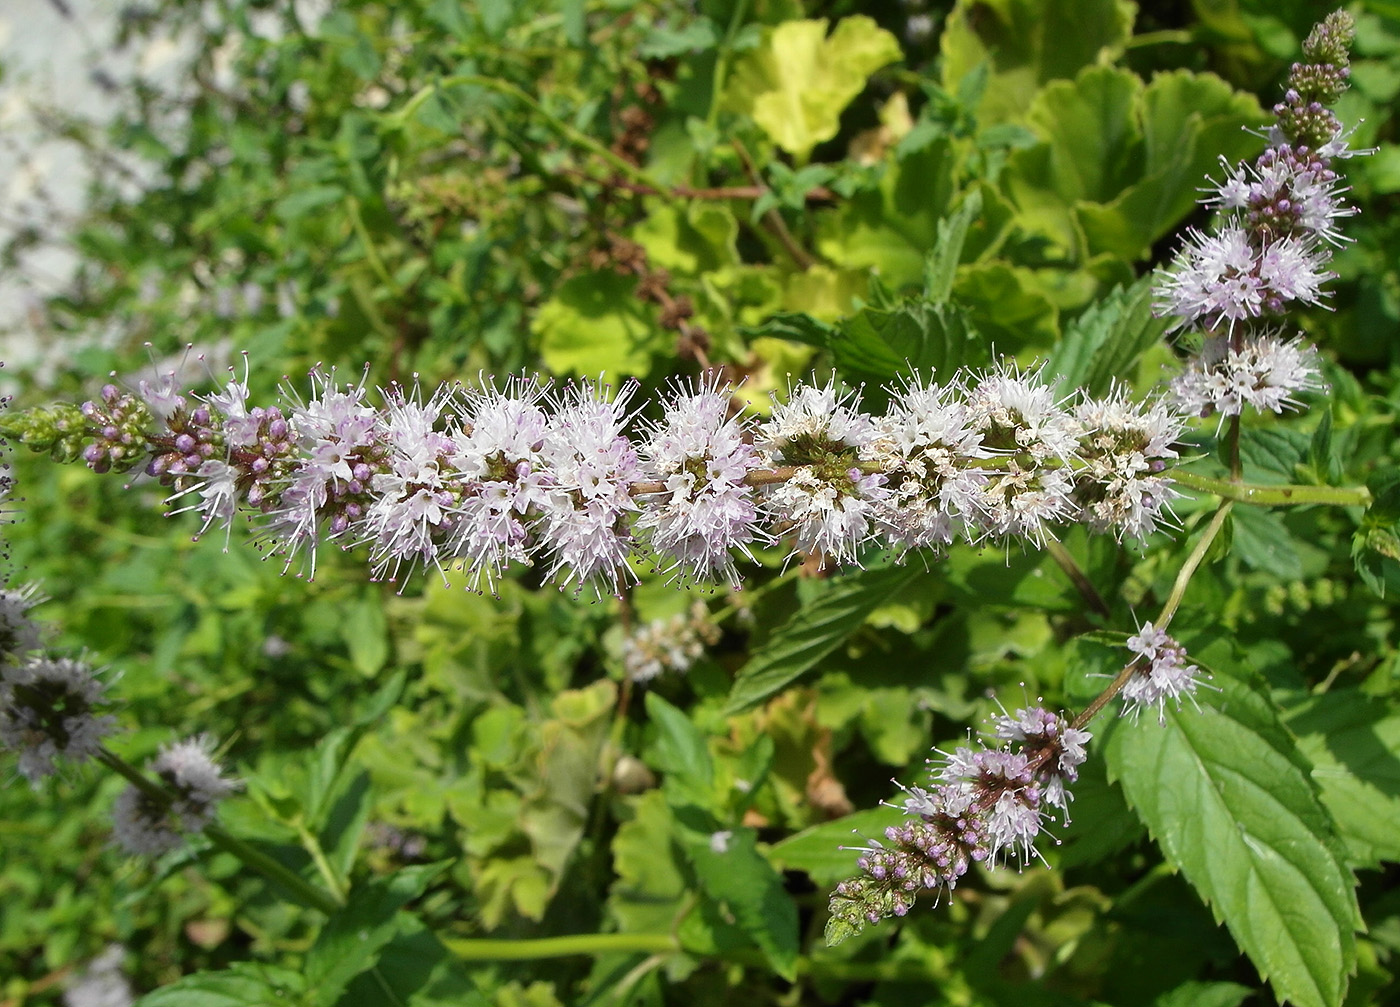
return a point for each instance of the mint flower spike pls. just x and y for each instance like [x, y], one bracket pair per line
[50, 708]
[1278, 221]
[1163, 677]
[146, 825]
[982, 805]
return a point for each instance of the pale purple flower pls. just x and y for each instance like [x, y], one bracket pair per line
[829, 503]
[19, 634]
[1124, 448]
[1165, 676]
[701, 455]
[587, 511]
[504, 483]
[925, 443]
[194, 785]
[49, 710]
[414, 497]
[101, 983]
[1261, 371]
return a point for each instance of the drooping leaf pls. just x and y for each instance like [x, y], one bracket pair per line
[1231, 803]
[814, 632]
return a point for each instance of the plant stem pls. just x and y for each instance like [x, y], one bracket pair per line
[1274, 496]
[1078, 577]
[1164, 618]
[531, 949]
[307, 894]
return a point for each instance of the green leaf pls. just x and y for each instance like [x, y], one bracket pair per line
[681, 753]
[1376, 545]
[819, 850]
[351, 940]
[244, 984]
[1028, 43]
[1107, 340]
[734, 874]
[1352, 742]
[797, 83]
[650, 889]
[1198, 994]
[366, 635]
[814, 632]
[304, 201]
[942, 263]
[594, 324]
[1229, 800]
[663, 42]
[1007, 306]
[1263, 541]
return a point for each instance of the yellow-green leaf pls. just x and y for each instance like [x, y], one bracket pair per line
[796, 84]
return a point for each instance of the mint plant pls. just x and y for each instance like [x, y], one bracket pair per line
[604, 672]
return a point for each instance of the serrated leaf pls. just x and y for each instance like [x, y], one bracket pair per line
[814, 632]
[1352, 741]
[681, 753]
[942, 263]
[243, 984]
[1231, 804]
[1197, 994]
[351, 940]
[1107, 340]
[732, 872]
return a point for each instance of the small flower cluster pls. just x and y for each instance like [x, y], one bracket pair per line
[672, 644]
[1163, 674]
[50, 708]
[1278, 223]
[149, 822]
[983, 805]
[479, 479]
[101, 983]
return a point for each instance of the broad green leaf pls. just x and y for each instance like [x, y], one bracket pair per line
[366, 635]
[650, 888]
[594, 324]
[351, 940]
[1353, 742]
[819, 850]
[1263, 541]
[797, 83]
[733, 873]
[239, 986]
[1231, 804]
[416, 968]
[1007, 306]
[814, 632]
[1028, 43]
[681, 753]
[664, 42]
[1107, 341]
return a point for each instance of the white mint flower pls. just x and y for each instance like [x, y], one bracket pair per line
[1124, 447]
[672, 644]
[504, 483]
[48, 710]
[1167, 676]
[701, 455]
[414, 498]
[829, 503]
[147, 825]
[1264, 372]
[101, 983]
[593, 466]
[926, 441]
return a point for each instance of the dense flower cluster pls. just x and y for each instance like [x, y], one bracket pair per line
[478, 479]
[50, 708]
[982, 806]
[148, 823]
[1269, 250]
[672, 644]
[1163, 674]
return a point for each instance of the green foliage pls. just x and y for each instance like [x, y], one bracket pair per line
[646, 189]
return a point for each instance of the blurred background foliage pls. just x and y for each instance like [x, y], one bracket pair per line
[443, 188]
